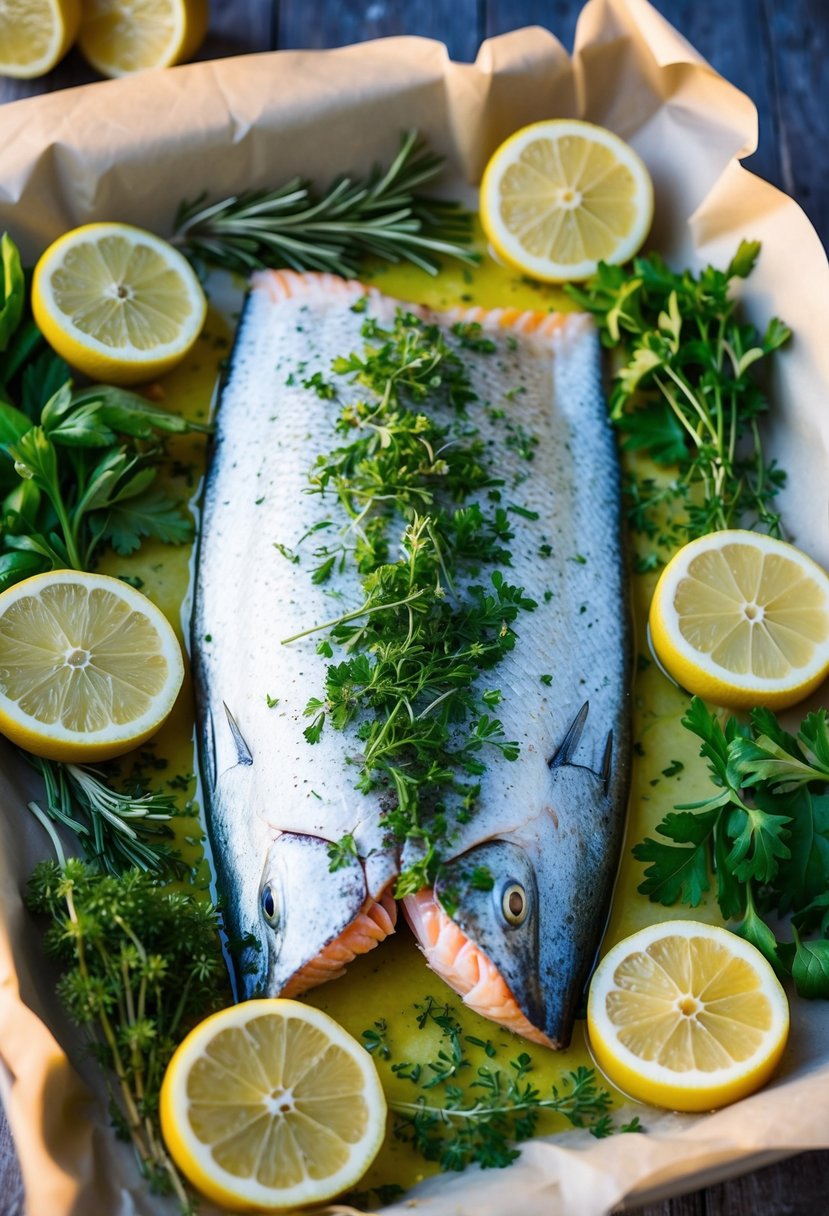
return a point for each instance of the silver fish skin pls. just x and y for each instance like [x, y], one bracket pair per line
[549, 825]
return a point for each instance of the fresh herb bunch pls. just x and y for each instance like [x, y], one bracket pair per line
[763, 836]
[77, 466]
[141, 966]
[381, 216]
[480, 1122]
[685, 395]
[415, 646]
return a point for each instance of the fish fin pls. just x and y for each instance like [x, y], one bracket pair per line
[242, 750]
[565, 752]
[607, 761]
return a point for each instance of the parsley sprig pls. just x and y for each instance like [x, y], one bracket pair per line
[480, 1122]
[78, 467]
[686, 395]
[382, 215]
[763, 837]
[427, 627]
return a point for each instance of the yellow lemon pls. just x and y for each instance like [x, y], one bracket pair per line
[687, 1016]
[560, 196]
[120, 37]
[89, 667]
[742, 619]
[118, 303]
[36, 34]
[271, 1105]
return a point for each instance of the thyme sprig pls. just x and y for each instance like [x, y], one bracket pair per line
[382, 216]
[482, 1121]
[429, 622]
[686, 395]
[140, 965]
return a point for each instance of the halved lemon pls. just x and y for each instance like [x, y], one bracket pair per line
[271, 1105]
[116, 302]
[687, 1016]
[89, 667]
[742, 619]
[35, 35]
[120, 37]
[560, 196]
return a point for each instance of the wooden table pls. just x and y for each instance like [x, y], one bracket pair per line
[776, 53]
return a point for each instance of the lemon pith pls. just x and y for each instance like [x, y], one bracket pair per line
[270, 1104]
[89, 667]
[686, 1015]
[742, 619]
[559, 196]
[118, 303]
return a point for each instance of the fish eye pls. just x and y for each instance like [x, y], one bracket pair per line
[269, 904]
[514, 904]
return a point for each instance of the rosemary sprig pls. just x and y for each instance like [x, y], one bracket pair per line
[116, 830]
[380, 216]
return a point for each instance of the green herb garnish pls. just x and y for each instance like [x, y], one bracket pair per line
[381, 216]
[685, 395]
[414, 647]
[465, 1115]
[763, 838]
[141, 966]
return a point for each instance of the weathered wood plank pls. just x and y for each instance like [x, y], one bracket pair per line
[332, 23]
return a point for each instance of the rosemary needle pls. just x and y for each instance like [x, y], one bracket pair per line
[380, 216]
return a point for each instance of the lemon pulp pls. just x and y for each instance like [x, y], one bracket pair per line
[118, 303]
[88, 666]
[35, 35]
[743, 619]
[271, 1103]
[120, 38]
[560, 196]
[687, 1015]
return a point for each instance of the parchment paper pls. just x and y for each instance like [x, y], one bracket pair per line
[128, 150]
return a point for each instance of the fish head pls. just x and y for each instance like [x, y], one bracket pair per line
[536, 901]
[304, 906]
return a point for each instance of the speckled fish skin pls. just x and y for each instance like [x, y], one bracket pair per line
[555, 816]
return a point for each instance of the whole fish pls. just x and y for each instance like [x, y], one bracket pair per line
[549, 825]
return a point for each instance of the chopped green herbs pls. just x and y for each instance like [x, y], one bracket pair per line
[381, 216]
[763, 836]
[414, 647]
[465, 1115]
[685, 395]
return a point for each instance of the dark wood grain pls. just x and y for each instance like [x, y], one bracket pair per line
[775, 51]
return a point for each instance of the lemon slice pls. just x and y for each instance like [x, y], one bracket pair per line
[118, 303]
[36, 34]
[560, 196]
[742, 619]
[119, 37]
[687, 1016]
[271, 1104]
[89, 667]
